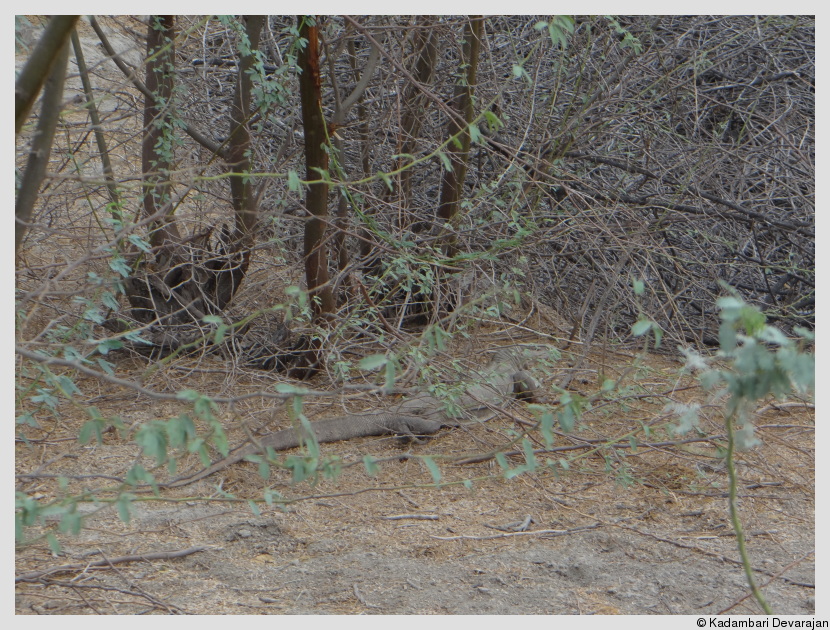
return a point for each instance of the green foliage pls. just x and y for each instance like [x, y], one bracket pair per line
[433, 469]
[373, 362]
[370, 464]
[530, 464]
[758, 361]
[570, 410]
[627, 40]
[546, 427]
[560, 28]
[294, 183]
[643, 325]
[152, 438]
[520, 73]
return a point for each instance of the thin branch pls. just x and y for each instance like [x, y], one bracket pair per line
[368, 71]
[39, 65]
[34, 576]
[41, 146]
[209, 144]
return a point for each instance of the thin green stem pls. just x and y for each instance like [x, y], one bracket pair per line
[733, 515]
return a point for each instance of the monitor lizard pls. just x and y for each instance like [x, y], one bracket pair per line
[418, 415]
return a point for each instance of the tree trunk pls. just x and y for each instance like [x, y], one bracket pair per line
[100, 138]
[452, 183]
[156, 153]
[426, 42]
[41, 145]
[194, 276]
[316, 137]
[39, 65]
[244, 202]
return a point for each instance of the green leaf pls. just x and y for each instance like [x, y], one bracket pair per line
[639, 286]
[198, 446]
[558, 29]
[139, 242]
[389, 376]
[753, 320]
[727, 336]
[324, 174]
[66, 386]
[530, 457]
[153, 441]
[493, 121]
[310, 437]
[28, 419]
[54, 545]
[745, 438]
[370, 464]
[204, 407]
[219, 335]
[567, 418]
[730, 308]
[294, 183]
[109, 344]
[433, 468]
[188, 395]
[386, 180]
[254, 507]
[109, 300]
[658, 334]
[373, 362]
[70, 523]
[179, 430]
[445, 160]
[287, 388]
[137, 474]
[546, 427]
[475, 134]
[123, 505]
[88, 430]
[771, 334]
[219, 438]
[688, 416]
[269, 495]
[641, 327]
[106, 366]
[94, 315]
[120, 266]
[809, 335]
[71, 354]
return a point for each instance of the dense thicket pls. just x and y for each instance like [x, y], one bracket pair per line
[674, 150]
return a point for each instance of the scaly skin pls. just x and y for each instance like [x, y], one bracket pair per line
[418, 415]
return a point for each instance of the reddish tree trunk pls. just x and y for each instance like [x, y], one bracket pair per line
[314, 130]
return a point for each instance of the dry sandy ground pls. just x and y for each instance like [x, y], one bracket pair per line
[641, 531]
